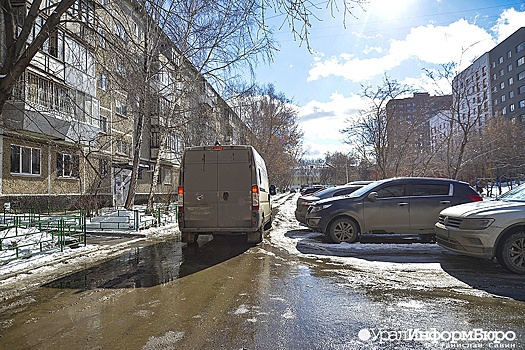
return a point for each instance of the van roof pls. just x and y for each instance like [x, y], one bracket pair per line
[217, 147]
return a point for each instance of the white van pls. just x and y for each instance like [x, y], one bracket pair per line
[224, 190]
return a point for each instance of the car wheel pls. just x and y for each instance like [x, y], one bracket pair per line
[343, 230]
[511, 252]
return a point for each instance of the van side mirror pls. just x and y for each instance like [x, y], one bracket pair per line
[273, 191]
[372, 196]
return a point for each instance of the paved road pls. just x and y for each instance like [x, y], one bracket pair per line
[228, 295]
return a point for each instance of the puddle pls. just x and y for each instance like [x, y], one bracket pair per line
[148, 266]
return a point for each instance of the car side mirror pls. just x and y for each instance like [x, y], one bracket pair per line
[273, 191]
[372, 196]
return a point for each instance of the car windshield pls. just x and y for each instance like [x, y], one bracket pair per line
[365, 189]
[515, 195]
[321, 192]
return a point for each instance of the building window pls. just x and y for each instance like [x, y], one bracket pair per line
[521, 61]
[502, 85]
[511, 94]
[25, 160]
[501, 59]
[501, 72]
[120, 108]
[120, 31]
[509, 54]
[137, 30]
[55, 45]
[511, 107]
[522, 104]
[519, 48]
[123, 147]
[103, 167]
[68, 165]
[101, 40]
[504, 111]
[166, 175]
[511, 81]
[103, 83]
[522, 89]
[521, 76]
[502, 98]
[103, 124]
[509, 68]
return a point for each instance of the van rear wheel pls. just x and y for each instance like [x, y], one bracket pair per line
[189, 237]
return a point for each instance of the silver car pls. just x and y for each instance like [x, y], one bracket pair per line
[487, 229]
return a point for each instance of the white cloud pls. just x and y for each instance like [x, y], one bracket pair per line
[351, 68]
[458, 42]
[508, 22]
[321, 123]
[425, 83]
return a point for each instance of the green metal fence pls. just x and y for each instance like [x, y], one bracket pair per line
[26, 234]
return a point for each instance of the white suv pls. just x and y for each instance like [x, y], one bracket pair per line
[487, 229]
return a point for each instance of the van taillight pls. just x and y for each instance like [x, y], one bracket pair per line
[255, 197]
[180, 196]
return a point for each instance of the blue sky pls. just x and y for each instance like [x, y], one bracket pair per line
[396, 37]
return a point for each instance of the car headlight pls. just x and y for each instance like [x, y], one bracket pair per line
[475, 224]
[316, 208]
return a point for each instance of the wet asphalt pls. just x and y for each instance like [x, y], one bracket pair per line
[226, 294]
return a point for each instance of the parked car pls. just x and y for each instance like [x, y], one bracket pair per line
[396, 205]
[311, 189]
[304, 202]
[488, 229]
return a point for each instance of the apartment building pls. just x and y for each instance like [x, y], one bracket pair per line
[109, 79]
[507, 72]
[494, 84]
[417, 126]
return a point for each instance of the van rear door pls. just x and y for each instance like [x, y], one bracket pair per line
[234, 188]
[200, 189]
[217, 186]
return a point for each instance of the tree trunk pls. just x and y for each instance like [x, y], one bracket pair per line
[130, 200]
[154, 181]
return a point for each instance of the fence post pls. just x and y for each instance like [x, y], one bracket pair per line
[83, 218]
[136, 219]
[61, 237]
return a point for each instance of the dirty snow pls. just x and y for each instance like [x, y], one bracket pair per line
[366, 264]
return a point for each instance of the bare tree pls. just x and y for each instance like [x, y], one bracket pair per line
[272, 121]
[470, 109]
[339, 168]
[371, 134]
